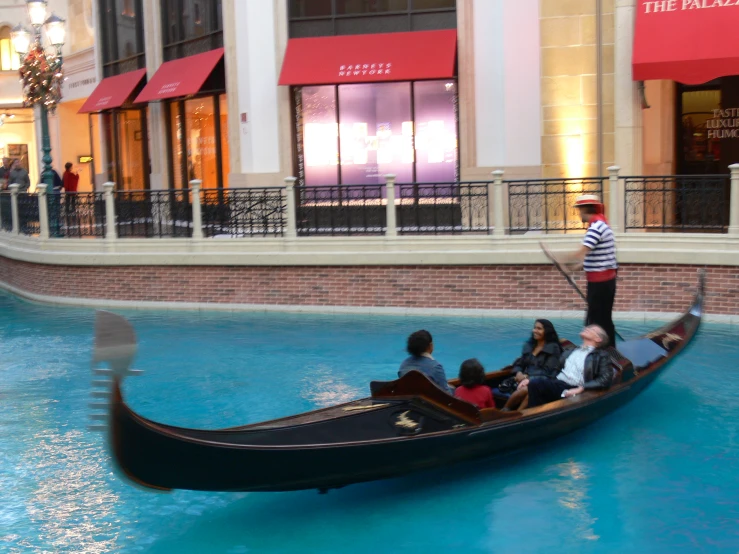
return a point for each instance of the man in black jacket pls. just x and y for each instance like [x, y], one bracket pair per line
[588, 367]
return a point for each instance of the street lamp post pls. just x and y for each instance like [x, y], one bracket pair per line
[41, 73]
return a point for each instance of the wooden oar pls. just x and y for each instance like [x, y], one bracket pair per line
[567, 276]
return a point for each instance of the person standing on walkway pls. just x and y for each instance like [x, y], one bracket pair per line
[597, 256]
[18, 175]
[70, 182]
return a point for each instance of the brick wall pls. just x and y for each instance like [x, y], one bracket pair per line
[656, 288]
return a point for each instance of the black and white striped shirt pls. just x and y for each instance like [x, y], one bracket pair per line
[602, 256]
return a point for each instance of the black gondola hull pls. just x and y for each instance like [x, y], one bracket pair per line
[407, 425]
[151, 457]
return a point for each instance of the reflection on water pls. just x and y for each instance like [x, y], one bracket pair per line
[656, 476]
[70, 507]
[572, 491]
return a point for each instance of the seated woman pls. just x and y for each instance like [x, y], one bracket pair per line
[473, 389]
[420, 347]
[539, 359]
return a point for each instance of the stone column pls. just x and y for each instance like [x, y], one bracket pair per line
[157, 122]
[110, 232]
[291, 231]
[628, 111]
[498, 218]
[14, 208]
[43, 211]
[734, 206]
[391, 229]
[616, 200]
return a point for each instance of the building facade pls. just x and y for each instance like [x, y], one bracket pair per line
[539, 88]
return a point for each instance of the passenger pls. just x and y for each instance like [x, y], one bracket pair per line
[420, 347]
[473, 389]
[539, 358]
[587, 367]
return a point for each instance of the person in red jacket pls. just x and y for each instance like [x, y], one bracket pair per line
[70, 180]
[473, 389]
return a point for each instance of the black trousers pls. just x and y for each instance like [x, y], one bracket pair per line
[543, 390]
[600, 307]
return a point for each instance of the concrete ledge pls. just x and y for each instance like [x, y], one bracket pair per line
[634, 248]
[442, 312]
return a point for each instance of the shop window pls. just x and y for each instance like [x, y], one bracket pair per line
[309, 18]
[375, 132]
[199, 141]
[436, 131]
[370, 6]
[192, 27]
[700, 145]
[177, 141]
[129, 9]
[9, 60]
[225, 160]
[128, 154]
[310, 8]
[356, 134]
[121, 36]
[320, 135]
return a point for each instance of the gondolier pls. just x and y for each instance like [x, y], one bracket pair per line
[597, 255]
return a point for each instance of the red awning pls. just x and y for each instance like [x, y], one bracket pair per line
[181, 77]
[690, 41]
[112, 92]
[370, 58]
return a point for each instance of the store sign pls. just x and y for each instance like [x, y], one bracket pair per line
[724, 124]
[169, 88]
[362, 69]
[660, 6]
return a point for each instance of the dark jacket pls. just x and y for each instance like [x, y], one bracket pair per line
[598, 372]
[429, 367]
[544, 364]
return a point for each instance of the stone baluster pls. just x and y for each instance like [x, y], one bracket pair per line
[197, 212]
[43, 211]
[291, 231]
[110, 230]
[14, 208]
[391, 229]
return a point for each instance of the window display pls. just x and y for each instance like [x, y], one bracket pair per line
[358, 133]
[199, 141]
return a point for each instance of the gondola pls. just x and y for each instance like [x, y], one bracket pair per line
[405, 425]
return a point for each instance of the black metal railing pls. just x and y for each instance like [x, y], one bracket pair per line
[243, 212]
[442, 208]
[548, 204]
[77, 215]
[677, 203]
[341, 210]
[28, 215]
[6, 212]
[160, 213]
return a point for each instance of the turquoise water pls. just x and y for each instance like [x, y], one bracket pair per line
[656, 476]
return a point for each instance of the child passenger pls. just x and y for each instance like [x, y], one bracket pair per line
[473, 389]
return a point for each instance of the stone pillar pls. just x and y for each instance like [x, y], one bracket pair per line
[291, 231]
[616, 200]
[43, 211]
[391, 229]
[110, 232]
[197, 213]
[14, 208]
[734, 206]
[628, 110]
[498, 218]
[157, 123]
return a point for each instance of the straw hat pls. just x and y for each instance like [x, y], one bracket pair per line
[587, 200]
